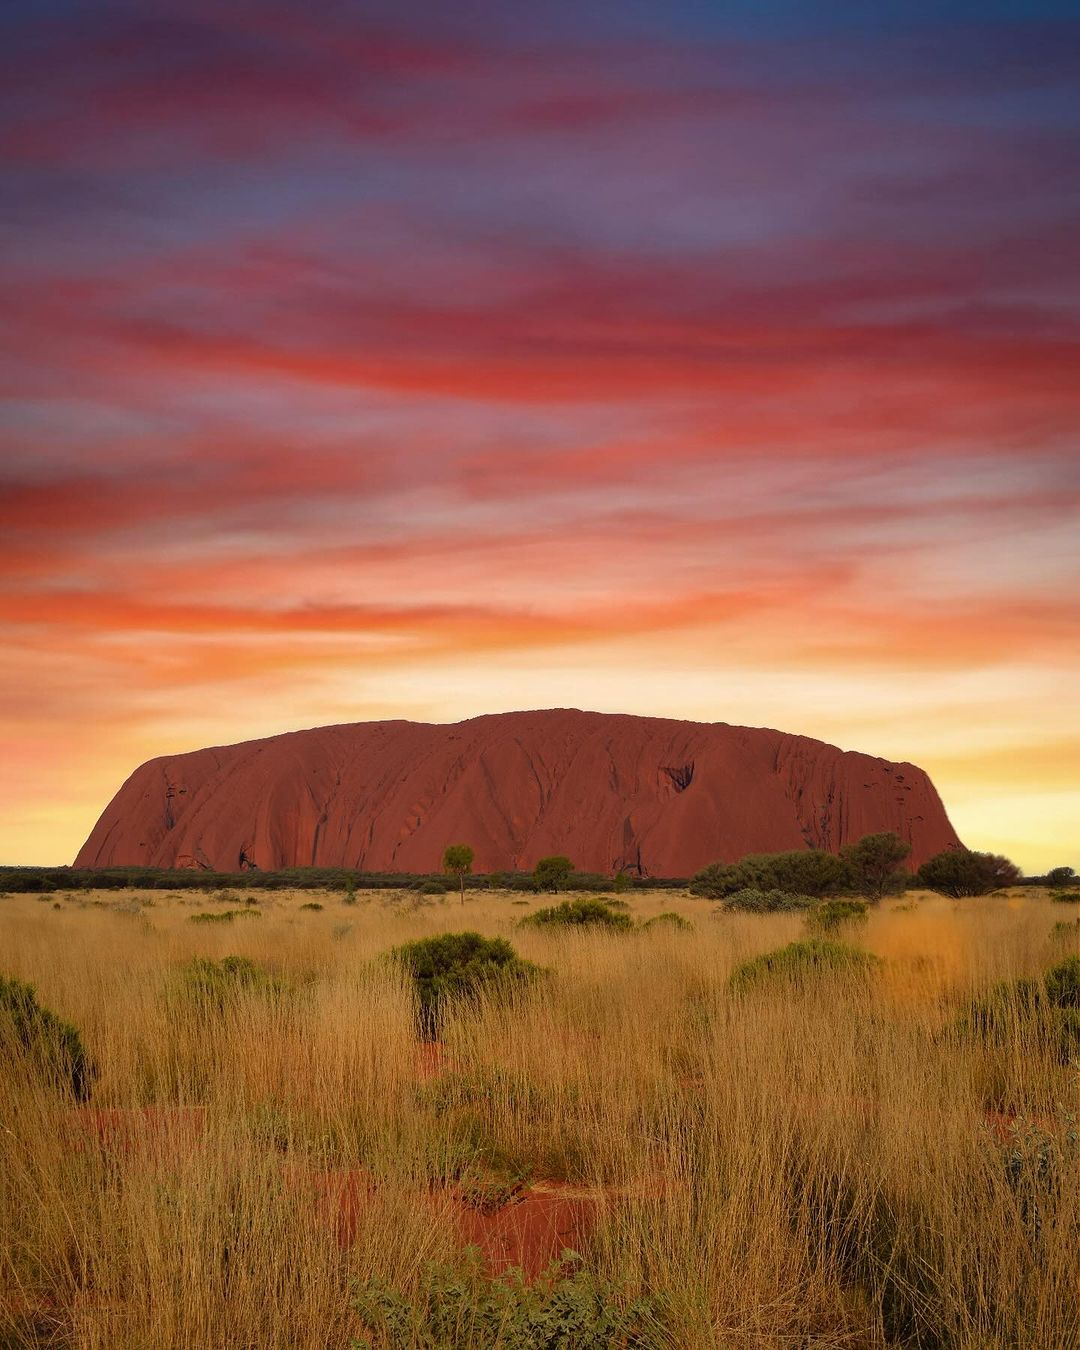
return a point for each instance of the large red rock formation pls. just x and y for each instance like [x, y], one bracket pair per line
[609, 791]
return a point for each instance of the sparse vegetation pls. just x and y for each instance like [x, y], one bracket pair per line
[259, 1168]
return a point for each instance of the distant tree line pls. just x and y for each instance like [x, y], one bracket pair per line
[42, 880]
[871, 867]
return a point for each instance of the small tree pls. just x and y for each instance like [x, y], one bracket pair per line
[551, 873]
[458, 966]
[875, 863]
[960, 871]
[1060, 876]
[457, 861]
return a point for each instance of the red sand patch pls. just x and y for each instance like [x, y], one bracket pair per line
[530, 1231]
[431, 1060]
[152, 1128]
[533, 1230]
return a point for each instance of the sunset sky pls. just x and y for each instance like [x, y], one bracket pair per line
[717, 361]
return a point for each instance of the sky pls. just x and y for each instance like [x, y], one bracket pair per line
[369, 360]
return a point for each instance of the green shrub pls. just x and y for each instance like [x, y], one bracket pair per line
[669, 920]
[53, 1046]
[312, 905]
[831, 914]
[1065, 897]
[458, 966]
[1063, 983]
[432, 886]
[460, 1307]
[1049, 1007]
[582, 912]
[798, 872]
[226, 916]
[750, 900]
[551, 873]
[799, 960]
[216, 983]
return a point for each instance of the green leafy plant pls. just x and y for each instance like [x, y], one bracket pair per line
[313, 905]
[1065, 897]
[799, 961]
[53, 1046]
[458, 966]
[582, 912]
[460, 1307]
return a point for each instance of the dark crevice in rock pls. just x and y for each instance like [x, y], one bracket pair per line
[681, 775]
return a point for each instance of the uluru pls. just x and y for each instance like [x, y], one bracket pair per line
[653, 796]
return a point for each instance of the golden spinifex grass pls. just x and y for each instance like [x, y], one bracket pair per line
[829, 1161]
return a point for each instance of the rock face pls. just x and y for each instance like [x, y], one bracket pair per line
[652, 796]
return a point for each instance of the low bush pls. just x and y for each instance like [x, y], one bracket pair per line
[582, 912]
[832, 914]
[433, 886]
[809, 871]
[226, 916]
[669, 920]
[1049, 1007]
[460, 1306]
[800, 960]
[53, 1046]
[1065, 897]
[216, 983]
[313, 905]
[458, 966]
[750, 900]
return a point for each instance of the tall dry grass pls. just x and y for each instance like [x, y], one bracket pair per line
[828, 1164]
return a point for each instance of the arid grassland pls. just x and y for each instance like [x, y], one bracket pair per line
[852, 1157]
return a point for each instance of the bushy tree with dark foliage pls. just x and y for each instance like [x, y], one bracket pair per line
[875, 863]
[960, 872]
